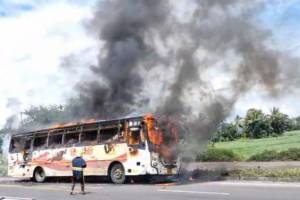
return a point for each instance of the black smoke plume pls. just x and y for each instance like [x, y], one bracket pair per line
[155, 56]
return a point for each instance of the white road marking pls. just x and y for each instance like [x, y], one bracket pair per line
[35, 188]
[93, 187]
[69, 187]
[257, 184]
[195, 192]
[14, 198]
[47, 187]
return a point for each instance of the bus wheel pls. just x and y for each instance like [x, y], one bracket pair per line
[117, 174]
[39, 175]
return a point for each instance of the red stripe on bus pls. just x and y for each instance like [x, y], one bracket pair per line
[65, 165]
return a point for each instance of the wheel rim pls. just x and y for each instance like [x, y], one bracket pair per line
[117, 174]
[40, 175]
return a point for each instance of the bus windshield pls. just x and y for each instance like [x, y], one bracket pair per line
[18, 144]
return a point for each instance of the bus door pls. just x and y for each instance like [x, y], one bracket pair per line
[136, 136]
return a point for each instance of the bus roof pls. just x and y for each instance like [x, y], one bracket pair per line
[44, 130]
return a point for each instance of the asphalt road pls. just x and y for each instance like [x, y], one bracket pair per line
[205, 190]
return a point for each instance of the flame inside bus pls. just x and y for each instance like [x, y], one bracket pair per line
[164, 137]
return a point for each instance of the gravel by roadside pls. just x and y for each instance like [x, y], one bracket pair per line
[254, 171]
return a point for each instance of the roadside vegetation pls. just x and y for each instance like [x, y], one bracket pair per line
[282, 148]
[219, 155]
[256, 137]
[250, 147]
[292, 154]
[258, 173]
[255, 125]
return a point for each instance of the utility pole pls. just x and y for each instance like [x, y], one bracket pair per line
[21, 114]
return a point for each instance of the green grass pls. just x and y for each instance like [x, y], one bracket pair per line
[275, 173]
[249, 147]
[220, 155]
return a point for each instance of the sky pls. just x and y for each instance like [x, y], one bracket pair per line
[36, 35]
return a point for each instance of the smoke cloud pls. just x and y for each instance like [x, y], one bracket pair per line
[153, 59]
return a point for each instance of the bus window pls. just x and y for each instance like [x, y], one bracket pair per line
[15, 145]
[27, 145]
[89, 137]
[71, 138]
[19, 144]
[55, 140]
[134, 136]
[40, 142]
[109, 135]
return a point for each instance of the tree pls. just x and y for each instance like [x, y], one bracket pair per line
[2, 132]
[279, 122]
[297, 123]
[256, 124]
[226, 132]
[44, 115]
[239, 125]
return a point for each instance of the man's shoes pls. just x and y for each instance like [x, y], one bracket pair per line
[71, 193]
[83, 192]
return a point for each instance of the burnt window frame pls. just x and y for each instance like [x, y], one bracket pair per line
[143, 135]
[25, 139]
[45, 146]
[15, 150]
[50, 134]
[68, 132]
[87, 129]
[117, 126]
[31, 139]
[139, 138]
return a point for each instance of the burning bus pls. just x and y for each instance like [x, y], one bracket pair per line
[116, 148]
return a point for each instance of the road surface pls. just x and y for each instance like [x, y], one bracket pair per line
[205, 191]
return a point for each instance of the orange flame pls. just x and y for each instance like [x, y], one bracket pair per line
[165, 142]
[63, 125]
[155, 135]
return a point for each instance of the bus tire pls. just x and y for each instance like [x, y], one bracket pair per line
[39, 175]
[117, 173]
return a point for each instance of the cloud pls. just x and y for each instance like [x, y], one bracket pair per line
[33, 42]
[256, 99]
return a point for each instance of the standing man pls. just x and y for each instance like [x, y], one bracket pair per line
[78, 164]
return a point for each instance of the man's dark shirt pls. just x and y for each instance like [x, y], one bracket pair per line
[78, 164]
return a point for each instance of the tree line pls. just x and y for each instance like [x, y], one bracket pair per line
[256, 124]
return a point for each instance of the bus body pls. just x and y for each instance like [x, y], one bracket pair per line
[115, 148]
